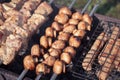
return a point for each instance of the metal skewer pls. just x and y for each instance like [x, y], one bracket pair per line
[51, 1]
[95, 8]
[71, 5]
[39, 76]
[54, 76]
[1, 62]
[22, 74]
[86, 6]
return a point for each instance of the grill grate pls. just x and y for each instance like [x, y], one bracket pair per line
[79, 72]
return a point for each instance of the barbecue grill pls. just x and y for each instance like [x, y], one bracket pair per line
[104, 24]
[74, 70]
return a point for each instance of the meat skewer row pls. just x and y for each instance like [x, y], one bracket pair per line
[31, 27]
[76, 45]
[94, 51]
[43, 12]
[30, 60]
[109, 45]
[109, 62]
[9, 39]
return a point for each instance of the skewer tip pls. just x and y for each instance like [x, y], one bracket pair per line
[39, 76]
[22, 74]
[51, 1]
[54, 76]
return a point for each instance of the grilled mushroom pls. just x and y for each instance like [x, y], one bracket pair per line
[49, 41]
[61, 18]
[58, 44]
[82, 25]
[29, 62]
[70, 50]
[66, 57]
[35, 50]
[46, 55]
[87, 19]
[49, 60]
[42, 68]
[44, 41]
[77, 16]
[56, 26]
[54, 52]
[65, 10]
[58, 67]
[79, 33]
[73, 21]
[69, 28]
[49, 32]
[74, 41]
[63, 36]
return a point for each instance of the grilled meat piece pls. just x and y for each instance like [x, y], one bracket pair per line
[108, 47]
[109, 62]
[94, 51]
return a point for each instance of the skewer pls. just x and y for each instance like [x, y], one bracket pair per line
[30, 60]
[39, 76]
[54, 76]
[71, 5]
[94, 8]
[86, 6]
[1, 62]
[51, 1]
[22, 74]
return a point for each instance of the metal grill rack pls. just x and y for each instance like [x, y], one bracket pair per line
[78, 71]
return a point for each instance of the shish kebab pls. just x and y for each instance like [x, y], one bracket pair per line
[66, 55]
[22, 34]
[62, 36]
[12, 43]
[54, 47]
[46, 10]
